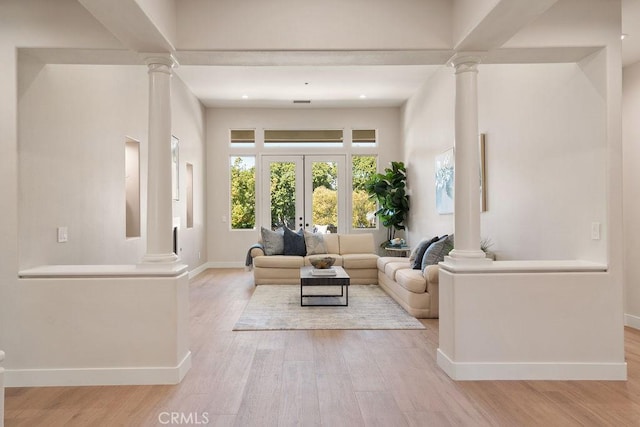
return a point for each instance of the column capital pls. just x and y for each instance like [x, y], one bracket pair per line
[159, 59]
[466, 61]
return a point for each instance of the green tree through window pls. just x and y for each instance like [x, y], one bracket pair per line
[363, 167]
[243, 192]
[283, 194]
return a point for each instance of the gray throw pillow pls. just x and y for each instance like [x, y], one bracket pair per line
[437, 251]
[315, 243]
[294, 243]
[273, 241]
[416, 262]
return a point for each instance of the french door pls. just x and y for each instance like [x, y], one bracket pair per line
[304, 192]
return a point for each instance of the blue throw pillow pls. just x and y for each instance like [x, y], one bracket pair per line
[437, 251]
[294, 243]
[273, 241]
[416, 262]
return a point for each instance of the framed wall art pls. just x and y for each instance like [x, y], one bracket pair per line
[444, 182]
[175, 168]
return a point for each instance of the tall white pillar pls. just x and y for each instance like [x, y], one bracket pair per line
[159, 195]
[467, 162]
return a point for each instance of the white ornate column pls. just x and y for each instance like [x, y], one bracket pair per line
[467, 162]
[159, 196]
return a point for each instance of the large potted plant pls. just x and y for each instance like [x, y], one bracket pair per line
[389, 190]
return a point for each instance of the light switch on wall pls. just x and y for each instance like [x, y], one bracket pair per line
[595, 231]
[63, 234]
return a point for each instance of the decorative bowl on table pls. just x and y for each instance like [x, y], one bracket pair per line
[322, 263]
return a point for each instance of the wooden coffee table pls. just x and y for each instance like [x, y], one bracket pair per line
[341, 279]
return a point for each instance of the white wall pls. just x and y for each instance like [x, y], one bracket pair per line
[546, 151]
[73, 124]
[329, 24]
[631, 156]
[228, 248]
[546, 167]
[188, 125]
[428, 130]
[27, 23]
[73, 121]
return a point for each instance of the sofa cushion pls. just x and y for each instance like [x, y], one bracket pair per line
[294, 243]
[282, 261]
[392, 267]
[314, 243]
[331, 240]
[273, 241]
[356, 261]
[437, 251]
[418, 254]
[412, 280]
[357, 244]
[307, 259]
[384, 260]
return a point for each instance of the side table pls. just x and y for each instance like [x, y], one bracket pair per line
[401, 251]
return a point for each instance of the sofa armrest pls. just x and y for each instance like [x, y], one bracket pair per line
[431, 273]
[256, 251]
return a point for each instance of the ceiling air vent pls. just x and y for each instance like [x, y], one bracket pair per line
[302, 101]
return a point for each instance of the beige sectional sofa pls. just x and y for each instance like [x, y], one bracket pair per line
[356, 253]
[415, 290]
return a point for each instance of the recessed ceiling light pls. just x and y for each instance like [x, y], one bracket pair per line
[363, 96]
[245, 96]
[623, 36]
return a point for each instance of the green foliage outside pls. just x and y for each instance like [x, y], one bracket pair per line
[243, 194]
[325, 206]
[324, 174]
[325, 193]
[283, 194]
[363, 168]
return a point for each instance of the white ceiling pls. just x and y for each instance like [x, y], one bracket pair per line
[275, 79]
[339, 86]
[631, 27]
[325, 86]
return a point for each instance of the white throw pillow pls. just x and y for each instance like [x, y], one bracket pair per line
[315, 243]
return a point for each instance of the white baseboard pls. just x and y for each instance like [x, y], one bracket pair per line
[632, 321]
[199, 269]
[474, 371]
[97, 376]
[207, 265]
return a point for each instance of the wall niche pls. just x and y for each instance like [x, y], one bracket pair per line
[132, 187]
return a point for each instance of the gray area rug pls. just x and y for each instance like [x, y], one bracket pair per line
[277, 307]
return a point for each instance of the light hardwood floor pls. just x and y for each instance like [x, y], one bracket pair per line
[323, 378]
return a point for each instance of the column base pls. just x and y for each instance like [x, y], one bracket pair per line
[169, 258]
[477, 258]
[467, 254]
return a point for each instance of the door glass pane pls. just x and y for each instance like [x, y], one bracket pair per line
[283, 194]
[324, 203]
[243, 192]
[363, 168]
